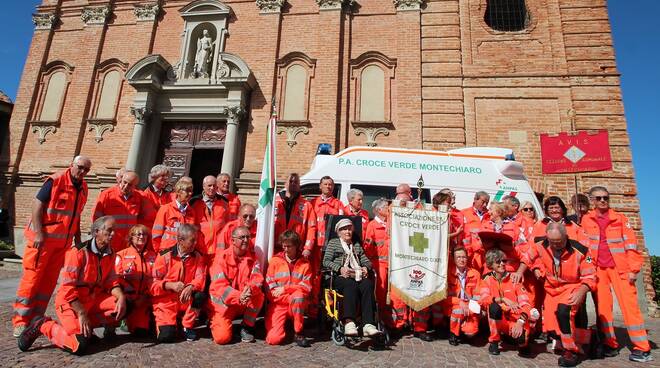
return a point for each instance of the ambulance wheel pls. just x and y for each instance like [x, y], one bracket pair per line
[338, 337]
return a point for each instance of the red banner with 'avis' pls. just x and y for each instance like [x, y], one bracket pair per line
[570, 153]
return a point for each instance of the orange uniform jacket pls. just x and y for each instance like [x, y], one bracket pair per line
[330, 206]
[505, 288]
[61, 217]
[152, 201]
[621, 241]
[228, 278]
[302, 221]
[278, 275]
[211, 223]
[377, 242]
[348, 210]
[472, 283]
[126, 212]
[456, 221]
[167, 222]
[85, 274]
[233, 205]
[471, 227]
[573, 230]
[514, 252]
[134, 270]
[171, 267]
[225, 235]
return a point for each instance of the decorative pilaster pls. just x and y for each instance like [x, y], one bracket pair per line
[292, 129]
[333, 4]
[407, 5]
[95, 15]
[42, 129]
[100, 126]
[44, 21]
[270, 6]
[146, 12]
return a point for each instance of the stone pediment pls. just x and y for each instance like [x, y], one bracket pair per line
[204, 7]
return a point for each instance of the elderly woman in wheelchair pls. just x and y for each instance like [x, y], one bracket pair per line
[350, 266]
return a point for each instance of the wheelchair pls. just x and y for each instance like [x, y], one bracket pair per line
[331, 299]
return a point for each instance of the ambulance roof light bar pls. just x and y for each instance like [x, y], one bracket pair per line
[324, 149]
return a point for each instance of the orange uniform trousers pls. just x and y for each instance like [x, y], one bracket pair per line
[139, 312]
[385, 311]
[402, 314]
[167, 308]
[41, 268]
[221, 323]
[66, 334]
[569, 322]
[282, 308]
[459, 321]
[626, 294]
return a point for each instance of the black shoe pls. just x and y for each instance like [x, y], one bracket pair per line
[109, 333]
[525, 351]
[454, 340]
[424, 336]
[494, 348]
[640, 356]
[30, 333]
[568, 359]
[301, 341]
[246, 334]
[609, 352]
[191, 334]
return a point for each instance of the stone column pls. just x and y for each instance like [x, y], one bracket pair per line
[141, 115]
[234, 116]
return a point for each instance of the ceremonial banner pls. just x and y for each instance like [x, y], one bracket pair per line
[265, 241]
[571, 153]
[418, 255]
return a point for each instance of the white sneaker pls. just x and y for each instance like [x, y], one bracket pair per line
[370, 330]
[350, 329]
[18, 330]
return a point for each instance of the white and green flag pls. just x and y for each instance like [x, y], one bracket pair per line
[266, 210]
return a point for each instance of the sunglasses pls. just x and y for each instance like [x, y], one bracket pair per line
[501, 261]
[244, 237]
[139, 235]
[601, 198]
[528, 209]
[248, 216]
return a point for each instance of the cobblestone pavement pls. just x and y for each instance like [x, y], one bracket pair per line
[406, 352]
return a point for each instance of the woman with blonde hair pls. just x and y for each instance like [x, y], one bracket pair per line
[174, 214]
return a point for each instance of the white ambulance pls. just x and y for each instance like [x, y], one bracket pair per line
[377, 171]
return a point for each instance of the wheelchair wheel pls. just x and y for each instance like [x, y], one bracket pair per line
[338, 337]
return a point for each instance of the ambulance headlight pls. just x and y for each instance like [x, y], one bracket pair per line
[324, 149]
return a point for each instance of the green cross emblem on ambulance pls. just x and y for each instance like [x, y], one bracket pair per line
[418, 242]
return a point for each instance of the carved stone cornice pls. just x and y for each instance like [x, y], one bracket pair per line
[333, 4]
[235, 113]
[146, 12]
[95, 15]
[100, 126]
[141, 114]
[292, 129]
[44, 21]
[407, 5]
[372, 129]
[42, 129]
[270, 6]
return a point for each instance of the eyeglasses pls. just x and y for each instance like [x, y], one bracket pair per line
[601, 198]
[501, 261]
[528, 209]
[140, 235]
[242, 237]
[248, 216]
[83, 168]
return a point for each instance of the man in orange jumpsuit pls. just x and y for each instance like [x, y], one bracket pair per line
[134, 267]
[213, 214]
[233, 201]
[507, 303]
[293, 212]
[473, 218]
[54, 225]
[89, 295]
[246, 217]
[325, 204]
[569, 273]
[462, 290]
[178, 286]
[124, 203]
[288, 286]
[156, 193]
[377, 249]
[174, 214]
[618, 261]
[512, 206]
[354, 208]
[236, 282]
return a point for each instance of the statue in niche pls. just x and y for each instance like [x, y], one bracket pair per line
[203, 56]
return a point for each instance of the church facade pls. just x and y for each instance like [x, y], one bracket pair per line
[132, 83]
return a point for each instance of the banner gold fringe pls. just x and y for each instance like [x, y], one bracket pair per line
[418, 305]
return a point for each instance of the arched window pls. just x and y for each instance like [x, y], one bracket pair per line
[52, 92]
[109, 95]
[507, 15]
[294, 95]
[295, 74]
[372, 94]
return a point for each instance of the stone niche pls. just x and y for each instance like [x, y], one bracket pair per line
[204, 35]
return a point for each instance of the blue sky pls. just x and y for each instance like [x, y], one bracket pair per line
[634, 27]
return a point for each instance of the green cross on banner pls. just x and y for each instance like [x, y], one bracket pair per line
[419, 242]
